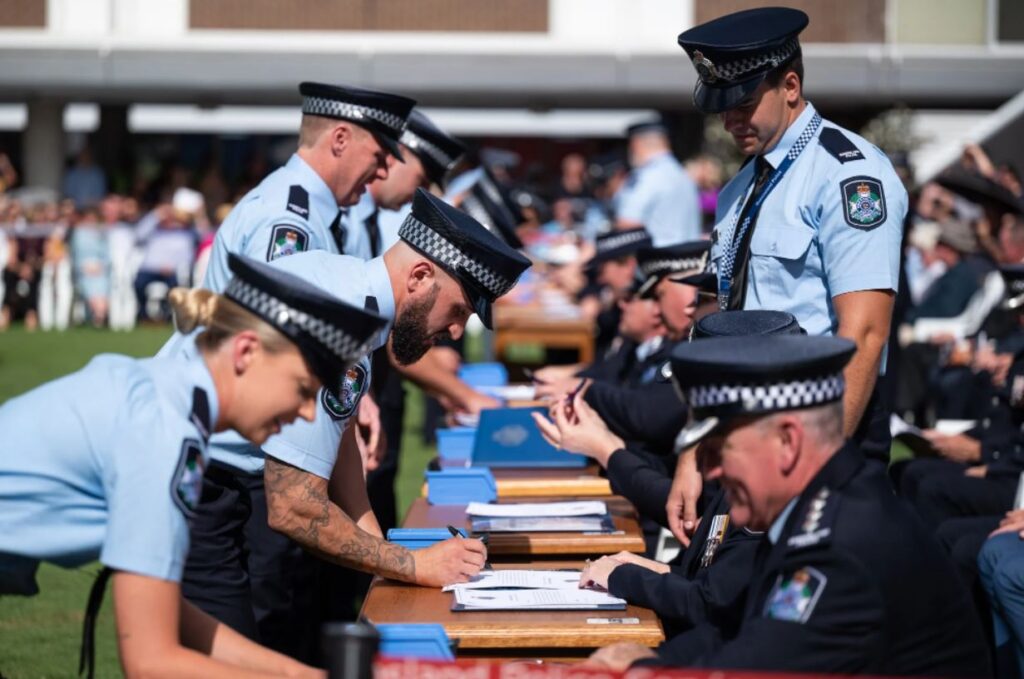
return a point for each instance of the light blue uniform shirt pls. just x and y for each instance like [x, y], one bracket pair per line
[313, 446]
[661, 197]
[805, 249]
[390, 221]
[104, 462]
[290, 211]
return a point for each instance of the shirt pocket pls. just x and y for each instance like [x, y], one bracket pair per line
[778, 258]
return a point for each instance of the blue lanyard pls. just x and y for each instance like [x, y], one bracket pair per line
[729, 258]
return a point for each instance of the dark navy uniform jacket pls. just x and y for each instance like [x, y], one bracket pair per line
[851, 582]
[647, 416]
[708, 584]
[1001, 430]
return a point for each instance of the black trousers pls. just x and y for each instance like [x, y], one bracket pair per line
[939, 490]
[243, 573]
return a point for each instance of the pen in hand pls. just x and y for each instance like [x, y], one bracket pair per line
[456, 533]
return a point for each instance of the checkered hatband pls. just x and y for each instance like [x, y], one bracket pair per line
[659, 267]
[339, 343]
[321, 106]
[435, 246]
[737, 70]
[759, 398]
[619, 240]
[422, 146]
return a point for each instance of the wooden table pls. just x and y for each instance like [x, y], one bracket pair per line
[530, 325]
[562, 635]
[627, 536]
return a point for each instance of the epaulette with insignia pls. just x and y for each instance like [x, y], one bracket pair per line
[200, 414]
[298, 201]
[836, 143]
[815, 526]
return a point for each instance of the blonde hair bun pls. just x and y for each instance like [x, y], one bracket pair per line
[192, 307]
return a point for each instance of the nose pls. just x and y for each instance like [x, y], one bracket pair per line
[308, 409]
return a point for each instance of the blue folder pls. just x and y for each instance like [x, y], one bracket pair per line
[508, 437]
[415, 640]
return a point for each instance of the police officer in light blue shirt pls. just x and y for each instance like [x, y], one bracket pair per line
[444, 268]
[108, 462]
[348, 138]
[658, 194]
[812, 224]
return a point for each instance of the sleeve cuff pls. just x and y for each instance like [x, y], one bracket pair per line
[303, 459]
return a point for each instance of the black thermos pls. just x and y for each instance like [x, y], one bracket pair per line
[349, 648]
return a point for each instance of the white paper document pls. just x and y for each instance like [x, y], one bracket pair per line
[520, 579]
[534, 599]
[536, 509]
[543, 524]
[511, 392]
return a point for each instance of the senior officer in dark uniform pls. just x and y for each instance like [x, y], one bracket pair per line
[847, 579]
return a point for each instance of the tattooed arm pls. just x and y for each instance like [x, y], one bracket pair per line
[347, 488]
[299, 507]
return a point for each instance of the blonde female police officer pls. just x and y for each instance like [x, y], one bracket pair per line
[108, 462]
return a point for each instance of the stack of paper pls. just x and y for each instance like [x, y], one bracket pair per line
[534, 600]
[520, 579]
[537, 517]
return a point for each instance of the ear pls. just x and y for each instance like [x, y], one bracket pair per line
[341, 138]
[421, 276]
[244, 347]
[792, 88]
[790, 433]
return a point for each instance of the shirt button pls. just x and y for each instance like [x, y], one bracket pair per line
[775, 247]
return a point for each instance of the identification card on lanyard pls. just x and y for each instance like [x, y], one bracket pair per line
[725, 270]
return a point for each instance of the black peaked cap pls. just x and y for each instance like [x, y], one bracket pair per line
[746, 323]
[486, 267]
[383, 114]
[330, 334]
[619, 243]
[656, 263]
[490, 204]
[734, 53]
[437, 150]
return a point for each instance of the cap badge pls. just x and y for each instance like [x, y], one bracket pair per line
[705, 68]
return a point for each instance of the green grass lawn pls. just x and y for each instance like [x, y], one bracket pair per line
[39, 636]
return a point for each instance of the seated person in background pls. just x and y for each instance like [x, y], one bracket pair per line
[846, 580]
[1001, 565]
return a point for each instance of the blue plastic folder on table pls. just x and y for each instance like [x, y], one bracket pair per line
[455, 444]
[508, 437]
[427, 640]
[483, 374]
[461, 486]
[418, 538]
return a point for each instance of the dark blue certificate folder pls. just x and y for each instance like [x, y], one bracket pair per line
[508, 437]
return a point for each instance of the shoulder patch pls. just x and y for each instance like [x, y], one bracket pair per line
[187, 482]
[352, 387]
[298, 201]
[794, 595]
[863, 202]
[286, 239]
[839, 145]
[815, 526]
[200, 415]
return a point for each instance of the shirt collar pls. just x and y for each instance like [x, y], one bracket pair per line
[380, 286]
[793, 132]
[364, 208]
[648, 348]
[197, 374]
[320, 195]
[780, 521]
[659, 157]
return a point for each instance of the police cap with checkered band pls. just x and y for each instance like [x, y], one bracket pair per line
[653, 264]
[383, 115]
[437, 150]
[725, 377]
[617, 244]
[482, 263]
[734, 53]
[490, 204]
[330, 334]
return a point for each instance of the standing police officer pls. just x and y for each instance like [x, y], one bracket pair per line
[812, 223]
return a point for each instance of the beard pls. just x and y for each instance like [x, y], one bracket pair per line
[409, 337]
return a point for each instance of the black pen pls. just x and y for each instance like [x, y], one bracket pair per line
[457, 534]
[572, 394]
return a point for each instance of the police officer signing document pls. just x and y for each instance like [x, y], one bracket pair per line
[812, 223]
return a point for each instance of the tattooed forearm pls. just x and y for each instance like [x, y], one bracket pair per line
[298, 506]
